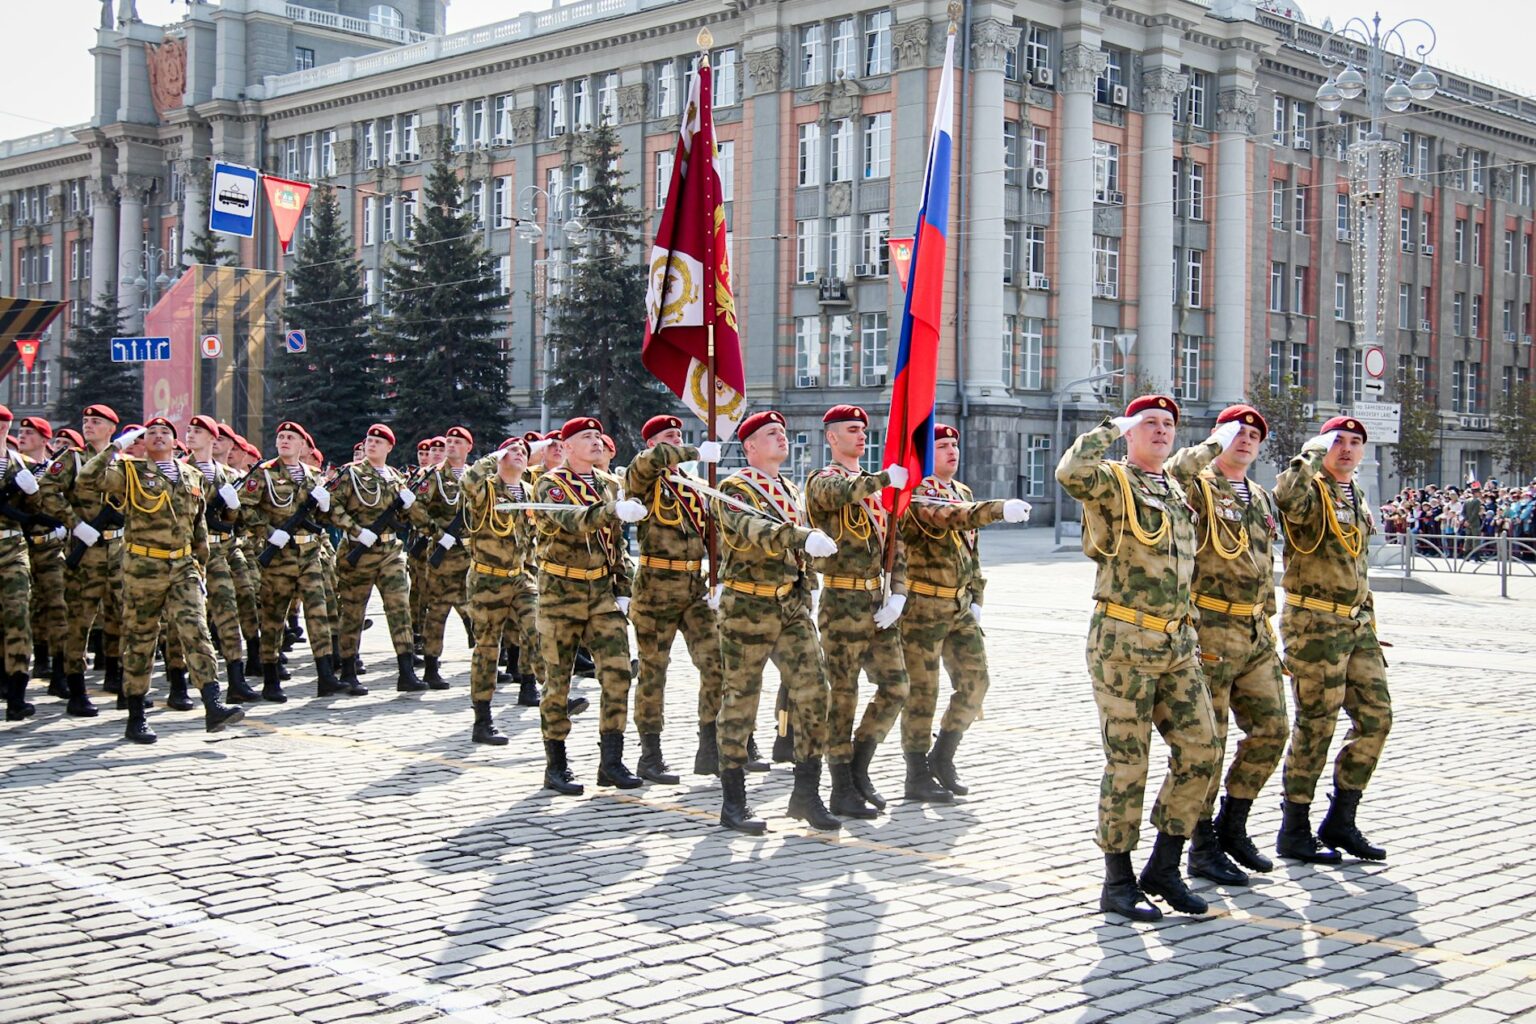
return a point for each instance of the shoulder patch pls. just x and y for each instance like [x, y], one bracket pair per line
[557, 494]
[56, 469]
[253, 485]
[425, 488]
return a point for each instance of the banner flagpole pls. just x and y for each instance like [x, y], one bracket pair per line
[707, 126]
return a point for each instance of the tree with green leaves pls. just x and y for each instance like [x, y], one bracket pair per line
[333, 388]
[1417, 450]
[1285, 410]
[208, 249]
[1514, 446]
[446, 312]
[596, 321]
[90, 375]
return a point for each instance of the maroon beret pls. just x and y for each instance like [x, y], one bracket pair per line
[1153, 403]
[757, 421]
[1345, 424]
[656, 424]
[1247, 415]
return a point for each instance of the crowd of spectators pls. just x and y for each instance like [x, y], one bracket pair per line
[1476, 511]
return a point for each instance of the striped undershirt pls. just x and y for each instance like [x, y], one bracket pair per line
[1241, 487]
[208, 472]
[168, 467]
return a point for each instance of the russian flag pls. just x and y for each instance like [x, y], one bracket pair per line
[909, 431]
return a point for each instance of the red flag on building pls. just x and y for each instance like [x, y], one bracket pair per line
[689, 287]
[286, 199]
[28, 352]
[901, 259]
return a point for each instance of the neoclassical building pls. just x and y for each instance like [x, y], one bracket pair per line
[1145, 185]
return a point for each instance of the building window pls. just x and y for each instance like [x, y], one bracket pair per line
[1509, 252]
[1277, 122]
[1192, 104]
[1039, 145]
[33, 388]
[1341, 296]
[1474, 387]
[1037, 464]
[1037, 49]
[1425, 297]
[1194, 277]
[1458, 314]
[1106, 267]
[1458, 377]
[812, 56]
[807, 251]
[664, 160]
[873, 329]
[1106, 171]
[809, 166]
[1403, 302]
[370, 211]
[1277, 287]
[1523, 185]
[1341, 217]
[725, 84]
[1029, 366]
[456, 118]
[1340, 375]
[1105, 357]
[842, 150]
[303, 58]
[877, 43]
[725, 167]
[386, 16]
[840, 248]
[1299, 291]
[1276, 358]
[1012, 154]
[1186, 378]
[1459, 240]
[1277, 204]
[877, 145]
[328, 153]
[666, 88]
[807, 351]
[1197, 191]
[1112, 75]
[1477, 316]
[1477, 243]
[845, 55]
[840, 351]
[1298, 365]
[874, 239]
[1299, 211]
[1034, 249]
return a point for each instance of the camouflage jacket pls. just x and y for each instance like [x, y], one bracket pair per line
[365, 493]
[1153, 578]
[1246, 575]
[940, 538]
[271, 496]
[497, 535]
[80, 504]
[676, 522]
[845, 505]
[584, 537]
[766, 549]
[46, 501]
[160, 512]
[1327, 545]
[437, 501]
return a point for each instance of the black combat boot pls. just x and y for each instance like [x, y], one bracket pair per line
[40, 665]
[326, 683]
[122, 699]
[847, 801]
[734, 812]
[432, 677]
[178, 699]
[271, 686]
[58, 685]
[293, 633]
[1296, 841]
[253, 652]
[112, 674]
[557, 773]
[575, 705]
[406, 681]
[354, 685]
[706, 761]
[216, 715]
[80, 705]
[1338, 828]
[942, 760]
[584, 665]
[755, 762]
[283, 675]
[528, 691]
[652, 766]
[784, 745]
[358, 668]
[16, 707]
[1232, 833]
[1161, 876]
[417, 644]
[239, 690]
[138, 730]
[96, 643]
[921, 785]
[611, 770]
[1208, 860]
[863, 754]
[485, 729]
[1121, 895]
[805, 799]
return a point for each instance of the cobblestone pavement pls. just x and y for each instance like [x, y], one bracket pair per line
[360, 858]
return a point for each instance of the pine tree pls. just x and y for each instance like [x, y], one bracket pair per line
[208, 249]
[333, 388]
[446, 310]
[1285, 411]
[1418, 429]
[596, 322]
[90, 375]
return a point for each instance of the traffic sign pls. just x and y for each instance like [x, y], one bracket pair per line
[1381, 420]
[212, 347]
[296, 342]
[1373, 386]
[141, 350]
[1375, 362]
[232, 203]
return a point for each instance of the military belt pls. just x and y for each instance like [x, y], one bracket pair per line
[570, 572]
[851, 583]
[1315, 604]
[932, 590]
[111, 534]
[759, 589]
[671, 564]
[8, 534]
[1120, 613]
[1232, 608]
[161, 553]
[491, 570]
[304, 538]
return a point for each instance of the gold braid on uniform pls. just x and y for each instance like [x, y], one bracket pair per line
[1151, 539]
[491, 521]
[657, 507]
[847, 524]
[1352, 544]
[725, 535]
[1239, 536]
[136, 494]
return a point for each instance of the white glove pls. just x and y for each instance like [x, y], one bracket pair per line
[26, 481]
[57, 533]
[230, 498]
[1322, 442]
[890, 611]
[1227, 434]
[976, 613]
[127, 438]
[322, 497]
[407, 499]
[623, 603]
[367, 538]
[819, 545]
[1016, 510]
[629, 510]
[447, 542]
[86, 534]
[713, 600]
[898, 475]
[279, 538]
[537, 448]
[709, 451]
[1125, 423]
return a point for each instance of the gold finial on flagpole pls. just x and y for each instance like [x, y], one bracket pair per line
[705, 39]
[956, 11]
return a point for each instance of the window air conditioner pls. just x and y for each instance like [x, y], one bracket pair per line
[1119, 95]
[1427, 249]
[1425, 325]
[1040, 179]
[1038, 281]
[1043, 76]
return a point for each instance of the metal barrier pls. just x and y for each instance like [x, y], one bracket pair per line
[1453, 553]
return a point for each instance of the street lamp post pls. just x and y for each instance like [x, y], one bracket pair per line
[528, 230]
[149, 280]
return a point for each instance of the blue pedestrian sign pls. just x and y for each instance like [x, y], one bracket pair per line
[232, 203]
[141, 350]
[296, 342]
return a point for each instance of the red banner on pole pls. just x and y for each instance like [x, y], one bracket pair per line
[286, 199]
[901, 256]
[28, 351]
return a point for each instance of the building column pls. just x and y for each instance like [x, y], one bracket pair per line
[1080, 69]
[983, 225]
[103, 242]
[758, 323]
[126, 260]
[195, 175]
[1160, 89]
[1234, 126]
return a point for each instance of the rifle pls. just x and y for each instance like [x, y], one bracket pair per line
[295, 522]
[107, 519]
[22, 518]
[213, 512]
[455, 527]
[386, 521]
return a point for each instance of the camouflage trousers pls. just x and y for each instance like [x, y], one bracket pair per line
[934, 629]
[1248, 682]
[247, 590]
[416, 570]
[1334, 663]
[752, 630]
[1141, 678]
[581, 613]
[295, 573]
[850, 642]
[169, 592]
[223, 602]
[499, 606]
[16, 605]
[328, 577]
[664, 603]
[381, 566]
[444, 593]
[93, 592]
[50, 615]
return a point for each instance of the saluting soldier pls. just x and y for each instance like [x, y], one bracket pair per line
[49, 613]
[1234, 590]
[1142, 651]
[435, 512]
[1331, 648]
[20, 490]
[415, 548]
[165, 546]
[229, 452]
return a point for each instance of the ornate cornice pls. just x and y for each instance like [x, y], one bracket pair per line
[1235, 109]
[765, 69]
[1161, 89]
[909, 42]
[1081, 67]
[990, 42]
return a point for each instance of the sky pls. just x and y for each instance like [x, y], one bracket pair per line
[47, 82]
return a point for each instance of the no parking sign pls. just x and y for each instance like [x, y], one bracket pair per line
[296, 342]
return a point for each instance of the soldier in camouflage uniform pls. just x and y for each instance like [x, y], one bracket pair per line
[22, 499]
[235, 455]
[671, 593]
[93, 587]
[1234, 590]
[314, 458]
[438, 513]
[429, 453]
[1331, 649]
[165, 546]
[1142, 653]
[765, 612]
[943, 617]
[858, 608]
[49, 613]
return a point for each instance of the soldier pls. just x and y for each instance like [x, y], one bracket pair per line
[943, 617]
[1234, 588]
[440, 514]
[165, 546]
[765, 612]
[1142, 651]
[49, 613]
[20, 499]
[232, 452]
[671, 594]
[367, 489]
[858, 607]
[93, 587]
[416, 546]
[1331, 649]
